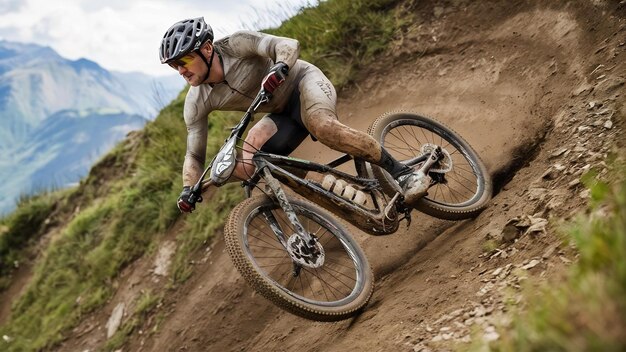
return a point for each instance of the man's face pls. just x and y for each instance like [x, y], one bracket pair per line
[191, 67]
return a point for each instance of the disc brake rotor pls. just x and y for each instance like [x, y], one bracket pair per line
[303, 254]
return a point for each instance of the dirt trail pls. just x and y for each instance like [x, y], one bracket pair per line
[517, 80]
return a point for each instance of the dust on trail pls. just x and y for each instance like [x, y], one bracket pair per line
[500, 74]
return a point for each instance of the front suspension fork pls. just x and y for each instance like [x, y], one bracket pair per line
[280, 195]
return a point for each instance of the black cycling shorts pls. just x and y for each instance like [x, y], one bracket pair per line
[291, 131]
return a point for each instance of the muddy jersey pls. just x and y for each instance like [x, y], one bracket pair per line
[246, 57]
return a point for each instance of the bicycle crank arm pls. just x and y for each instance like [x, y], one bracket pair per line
[432, 159]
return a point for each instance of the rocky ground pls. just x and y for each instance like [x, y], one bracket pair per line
[537, 88]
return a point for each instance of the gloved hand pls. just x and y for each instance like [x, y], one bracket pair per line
[187, 200]
[275, 77]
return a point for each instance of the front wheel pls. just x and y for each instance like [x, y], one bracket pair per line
[461, 184]
[335, 288]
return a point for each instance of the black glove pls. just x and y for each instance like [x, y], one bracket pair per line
[187, 200]
[275, 77]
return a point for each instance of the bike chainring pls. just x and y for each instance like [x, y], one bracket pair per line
[304, 254]
[444, 164]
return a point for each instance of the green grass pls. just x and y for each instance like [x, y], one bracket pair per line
[20, 229]
[343, 36]
[587, 312]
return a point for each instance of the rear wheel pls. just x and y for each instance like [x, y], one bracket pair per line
[462, 185]
[333, 287]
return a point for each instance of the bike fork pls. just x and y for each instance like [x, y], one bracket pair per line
[274, 185]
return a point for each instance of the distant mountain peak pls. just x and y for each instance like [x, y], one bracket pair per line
[85, 64]
[15, 54]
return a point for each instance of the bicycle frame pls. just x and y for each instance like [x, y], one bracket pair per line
[379, 219]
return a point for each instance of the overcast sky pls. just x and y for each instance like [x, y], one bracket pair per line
[124, 35]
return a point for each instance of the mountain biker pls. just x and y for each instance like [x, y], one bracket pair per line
[228, 73]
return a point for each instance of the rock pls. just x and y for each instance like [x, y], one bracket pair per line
[115, 320]
[466, 339]
[549, 174]
[528, 224]
[585, 194]
[164, 258]
[490, 334]
[537, 225]
[611, 84]
[421, 348]
[558, 153]
[584, 88]
[456, 313]
[533, 263]
[555, 202]
[537, 194]
[483, 290]
[549, 252]
[564, 260]
[574, 183]
[442, 319]
[510, 233]
[479, 311]
[583, 128]
[505, 272]
[603, 112]
[608, 124]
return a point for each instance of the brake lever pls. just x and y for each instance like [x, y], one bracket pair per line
[196, 194]
[265, 98]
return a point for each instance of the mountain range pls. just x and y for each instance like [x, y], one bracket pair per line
[58, 116]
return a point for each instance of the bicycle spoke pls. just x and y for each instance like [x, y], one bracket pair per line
[335, 280]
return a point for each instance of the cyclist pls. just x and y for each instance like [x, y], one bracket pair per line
[228, 73]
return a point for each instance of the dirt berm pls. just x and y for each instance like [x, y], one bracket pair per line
[537, 87]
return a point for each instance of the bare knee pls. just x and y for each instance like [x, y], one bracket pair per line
[258, 135]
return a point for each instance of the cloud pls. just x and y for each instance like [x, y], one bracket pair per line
[122, 35]
[7, 6]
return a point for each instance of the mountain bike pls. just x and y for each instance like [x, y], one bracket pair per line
[294, 252]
